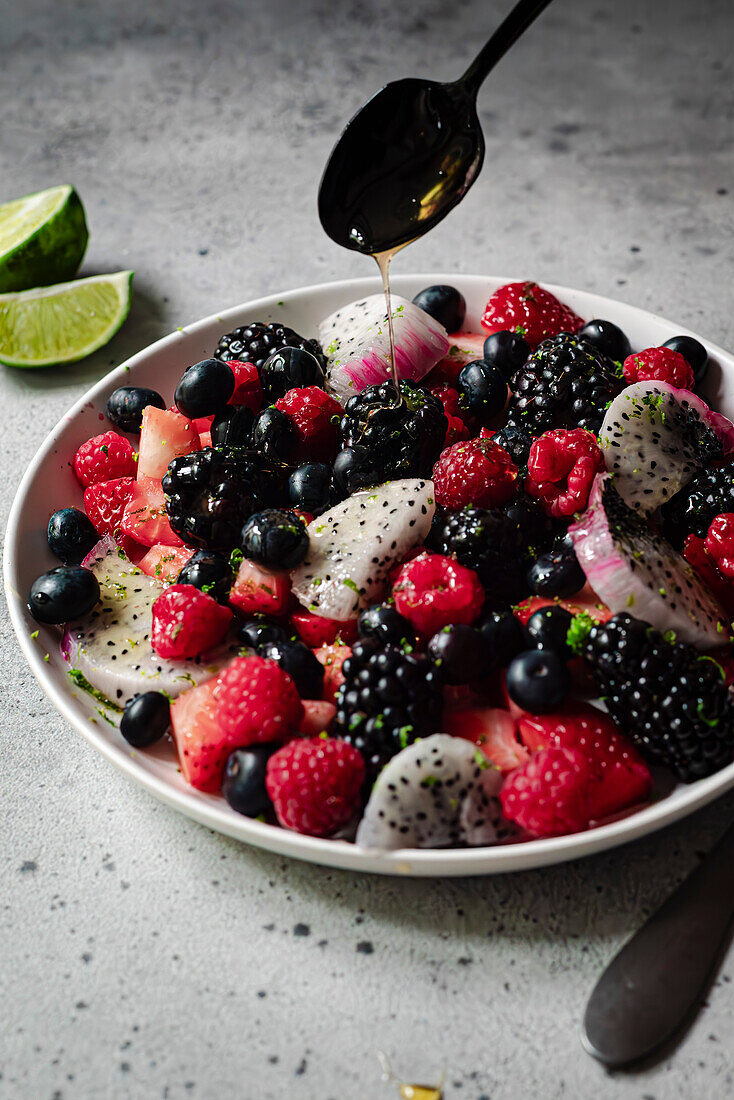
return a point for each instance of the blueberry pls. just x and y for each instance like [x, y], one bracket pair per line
[299, 662]
[71, 535]
[204, 388]
[607, 338]
[557, 573]
[258, 630]
[547, 628]
[482, 389]
[231, 426]
[243, 783]
[386, 625]
[274, 435]
[538, 680]
[354, 468]
[145, 719]
[125, 406]
[503, 636]
[508, 351]
[460, 653]
[275, 538]
[287, 369]
[210, 572]
[445, 304]
[64, 593]
[309, 488]
[693, 352]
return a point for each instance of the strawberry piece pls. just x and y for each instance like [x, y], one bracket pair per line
[247, 387]
[332, 657]
[106, 457]
[659, 365]
[531, 311]
[719, 542]
[315, 416]
[165, 562]
[318, 717]
[105, 501]
[492, 730]
[696, 554]
[257, 701]
[549, 794]
[478, 472]
[202, 749]
[314, 630]
[586, 601]
[464, 348]
[315, 785]
[432, 591]
[165, 434]
[187, 622]
[456, 431]
[201, 423]
[561, 469]
[144, 518]
[619, 776]
[258, 590]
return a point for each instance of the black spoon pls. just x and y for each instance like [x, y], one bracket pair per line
[412, 152]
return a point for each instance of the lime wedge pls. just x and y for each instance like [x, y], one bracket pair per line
[42, 238]
[63, 323]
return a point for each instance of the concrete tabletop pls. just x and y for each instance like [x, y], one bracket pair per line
[140, 955]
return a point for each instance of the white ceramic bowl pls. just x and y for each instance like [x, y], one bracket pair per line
[49, 483]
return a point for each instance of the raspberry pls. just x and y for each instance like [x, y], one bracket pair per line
[478, 472]
[549, 795]
[187, 621]
[105, 503]
[432, 591]
[720, 543]
[659, 365]
[531, 311]
[332, 657]
[315, 630]
[105, 457]
[561, 469]
[619, 776]
[316, 417]
[257, 701]
[247, 387]
[315, 785]
[449, 398]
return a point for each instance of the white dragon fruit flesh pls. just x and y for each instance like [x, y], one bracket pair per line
[354, 545]
[356, 343]
[656, 437]
[633, 569]
[111, 645]
[437, 792]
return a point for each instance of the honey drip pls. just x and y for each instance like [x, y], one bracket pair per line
[407, 1091]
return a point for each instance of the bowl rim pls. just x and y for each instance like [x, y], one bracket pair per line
[212, 811]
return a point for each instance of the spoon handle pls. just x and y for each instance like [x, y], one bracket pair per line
[508, 32]
[657, 980]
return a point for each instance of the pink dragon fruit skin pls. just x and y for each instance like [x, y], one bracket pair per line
[634, 570]
[356, 342]
[656, 437]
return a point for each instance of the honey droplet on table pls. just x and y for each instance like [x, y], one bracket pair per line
[419, 1092]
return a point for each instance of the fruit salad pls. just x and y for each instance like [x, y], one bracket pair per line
[491, 607]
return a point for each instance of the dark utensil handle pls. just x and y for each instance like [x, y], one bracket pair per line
[508, 32]
[657, 980]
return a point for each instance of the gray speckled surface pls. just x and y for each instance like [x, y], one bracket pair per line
[141, 955]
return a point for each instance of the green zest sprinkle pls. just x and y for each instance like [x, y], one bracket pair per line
[705, 657]
[349, 583]
[235, 559]
[207, 587]
[34, 634]
[481, 760]
[79, 680]
[430, 781]
[710, 722]
[670, 636]
[578, 631]
[105, 715]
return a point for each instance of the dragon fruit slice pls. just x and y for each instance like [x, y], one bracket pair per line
[656, 437]
[435, 793]
[357, 344]
[110, 646]
[633, 569]
[354, 546]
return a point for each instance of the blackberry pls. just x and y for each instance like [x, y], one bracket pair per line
[254, 343]
[491, 544]
[388, 699]
[566, 383]
[516, 441]
[211, 493]
[400, 440]
[672, 701]
[691, 510]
